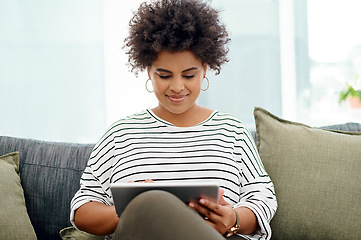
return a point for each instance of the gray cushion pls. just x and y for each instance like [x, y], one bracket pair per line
[316, 173]
[347, 127]
[50, 174]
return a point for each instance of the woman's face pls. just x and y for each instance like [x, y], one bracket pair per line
[177, 80]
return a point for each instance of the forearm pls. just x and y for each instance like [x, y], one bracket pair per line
[248, 220]
[96, 218]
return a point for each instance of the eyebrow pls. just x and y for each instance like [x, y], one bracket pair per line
[167, 71]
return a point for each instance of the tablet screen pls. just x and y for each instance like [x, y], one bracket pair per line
[123, 193]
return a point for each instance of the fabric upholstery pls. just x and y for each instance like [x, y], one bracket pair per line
[348, 127]
[14, 219]
[71, 233]
[50, 174]
[316, 173]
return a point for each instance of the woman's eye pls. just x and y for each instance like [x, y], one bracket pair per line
[164, 77]
[189, 76]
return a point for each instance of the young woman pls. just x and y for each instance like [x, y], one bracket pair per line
[176, 41]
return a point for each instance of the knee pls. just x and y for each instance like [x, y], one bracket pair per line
[154, 198]
[152, 210]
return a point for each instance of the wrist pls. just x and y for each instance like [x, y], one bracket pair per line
[235, 228]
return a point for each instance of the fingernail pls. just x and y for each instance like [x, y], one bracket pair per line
[202, 201]
[191, 205]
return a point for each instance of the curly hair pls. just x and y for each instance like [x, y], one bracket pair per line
[176, 26]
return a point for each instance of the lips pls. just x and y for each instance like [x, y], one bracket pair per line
[177, 98]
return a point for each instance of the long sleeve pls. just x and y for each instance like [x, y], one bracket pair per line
[257, 190]
[94, 183]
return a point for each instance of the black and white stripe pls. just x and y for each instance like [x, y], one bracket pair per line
[144, 146]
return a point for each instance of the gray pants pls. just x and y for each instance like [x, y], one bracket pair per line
[160, 215]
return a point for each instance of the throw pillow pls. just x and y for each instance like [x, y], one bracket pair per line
[316, 173]
[71, 233]
[14, 220]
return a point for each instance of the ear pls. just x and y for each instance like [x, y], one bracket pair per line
[148, 71]
[205, 67]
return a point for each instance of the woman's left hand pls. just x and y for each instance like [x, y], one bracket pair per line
[220, 216]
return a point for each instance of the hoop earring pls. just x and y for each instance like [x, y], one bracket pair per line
[207, 85]
[146, 86]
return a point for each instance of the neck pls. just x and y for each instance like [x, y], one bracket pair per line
[193, 116]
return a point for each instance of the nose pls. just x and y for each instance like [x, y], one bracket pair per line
[176, 84]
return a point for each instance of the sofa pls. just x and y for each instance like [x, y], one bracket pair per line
[316, 172]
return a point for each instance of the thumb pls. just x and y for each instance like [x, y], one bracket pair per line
[220, 197]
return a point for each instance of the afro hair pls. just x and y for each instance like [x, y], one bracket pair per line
[176, 26]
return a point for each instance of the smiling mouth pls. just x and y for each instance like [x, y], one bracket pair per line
[176, 98]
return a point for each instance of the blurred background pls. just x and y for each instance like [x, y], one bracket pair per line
[63, 72]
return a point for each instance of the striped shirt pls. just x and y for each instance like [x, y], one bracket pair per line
[144, 146]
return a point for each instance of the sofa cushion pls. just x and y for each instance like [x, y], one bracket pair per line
[14, 219]
[71, 233]
[316, 173]
[50, 174]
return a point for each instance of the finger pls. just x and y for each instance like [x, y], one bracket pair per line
[213, 219]
[205, 212]
[149, 181]
[213, 206]
[221, 198]
[220, 194]
[131, 182]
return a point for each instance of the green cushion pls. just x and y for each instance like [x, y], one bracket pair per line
[71, 233]
[317, 178]
[14, 219]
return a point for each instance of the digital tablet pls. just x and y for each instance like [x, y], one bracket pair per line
[123, 193]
